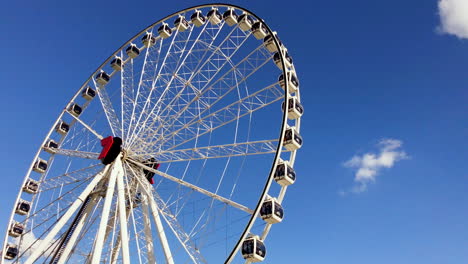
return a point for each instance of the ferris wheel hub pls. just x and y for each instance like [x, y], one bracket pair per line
[111, 148]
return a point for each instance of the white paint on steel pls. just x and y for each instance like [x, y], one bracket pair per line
[99, 242]
[71, 243]
[64, 219]
[122, 210]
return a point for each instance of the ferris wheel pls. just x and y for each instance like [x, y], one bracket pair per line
[179, 148]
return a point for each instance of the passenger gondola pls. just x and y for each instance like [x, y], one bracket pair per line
[152, 163]
[148, 39]
[88, 93]
[132, 51]
[292, 139]
[40, 165]
[230, 17]
[181, 24]
[245, 22]
[277, 59]
[11, 251]
[269, 42]
[259, 30]
[293, 82]
[295, 108]
[16, 229]
[62, 128]
[271, 211]
[164, 31]
[253, 249]
[31, 186]
[51, 146]
[23, 207]
[214, 16]
[197, 18]
[75, 109]
[284, 174]
[102, 78]
[116, 64]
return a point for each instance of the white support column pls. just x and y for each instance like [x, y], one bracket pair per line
[122, 211]
[71, 243]
[160, 228]
[64, 219]
[171, 220]
[148, 233]
[97, 251]
[116, 251]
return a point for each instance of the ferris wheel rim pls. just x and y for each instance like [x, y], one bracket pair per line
[284, 124]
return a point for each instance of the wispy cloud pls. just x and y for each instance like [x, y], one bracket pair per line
[368, 165]
[453, 17]
[30, 243]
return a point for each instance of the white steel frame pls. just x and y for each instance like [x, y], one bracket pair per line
[149, 129]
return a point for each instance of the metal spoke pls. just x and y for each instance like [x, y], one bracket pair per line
[194, 187]
[228, 114]
[214, 152]
[202, 81]
[160, 206]
[111, 115]
[147, 109]
[74, 153]
[208, 96]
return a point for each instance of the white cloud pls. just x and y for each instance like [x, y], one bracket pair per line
[369, 164]
[454, 17]
[30, 243]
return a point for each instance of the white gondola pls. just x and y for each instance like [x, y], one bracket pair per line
[271, 211]
[51, 146]
[293, 82]
[148, 39]
[88, 93]
[164, 31]
[292, 140]
[245, 22]
[253, 249]
[116, 64]
[31, 186]
[11, 251]
[214, 16]
[132, 51]
[181, 24]
[40, 165]
[284, 174]
[197, 18]
[287, 60]
[62, 128]
[295, 108]
[102, 78]
[23, 207]
[230, 17]
[16, 229]
[75, 109]
[259, 30]
[269, 42]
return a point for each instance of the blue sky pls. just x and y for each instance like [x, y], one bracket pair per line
[369, 70]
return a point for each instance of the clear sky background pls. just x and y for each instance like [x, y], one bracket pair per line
[382, 176]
